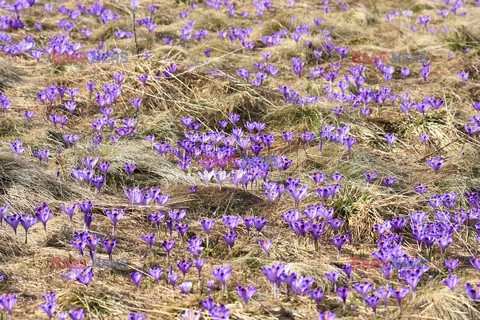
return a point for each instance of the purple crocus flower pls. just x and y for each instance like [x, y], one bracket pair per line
[336, 224]
[347, 268]
[475, 263]
[90, 87]
[207, 226]
[463, 75]
[451, 281]
[473, 291]
[50, 296]
[109, 245]
[411, 277]
[90, 162]
[223, 123]
[134, 195]
[85, 276]
[155, 273]
[230, 239]
[210, 285]
[298, 193]
[199, 263]
[300, 285]
[266, 55]
[297, 66]
[4, 101]
[248, 222]
[150, 139]
[476, 105]
[349, 142]
[149, 238]
[13, 221]
[333, 277]
[136, 103]
[424, 20]
[363, 289]
[80, 245]
[222, 274]
[342, 51]
[246, 293]
[342, 293]
[70, 139]
[87, 33]
[17, 147]
[8, 301]
[265, 245]
[451, 264]
[220, 312]
[259, 223]
[399, 294]
[137, 316]
[425, 71]
[390, 137]
[288, 136]
[3, 211]
[76, 314]
[244, 73]
[168, 245]
[372, 301]
[231, 222]
[185, 287]
[327, 315]
[435, 163]
[370, 176]
[29, 114]
[27, 222]
[86, 206]
[421, 189]
[221, 176]
[49, 308]
[316, 294]
[405, 73]
[136, 277]
[190, 315]
[384, 293]
[143, 78]
[88, 218]
[92, 241]
[130, 167]
[114, 215]
[70, 106]
[43, 214]
[338, 241]
[319, 177]
[389, 181]
[208, 303]
[424, 138]
[184, 266]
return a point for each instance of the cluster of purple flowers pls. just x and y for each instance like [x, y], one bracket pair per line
[42, 213]
[137, 196]
[410, 272]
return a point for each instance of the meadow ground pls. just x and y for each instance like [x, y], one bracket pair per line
[210, 87]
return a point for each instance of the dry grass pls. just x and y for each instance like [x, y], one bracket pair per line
[24, 184]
